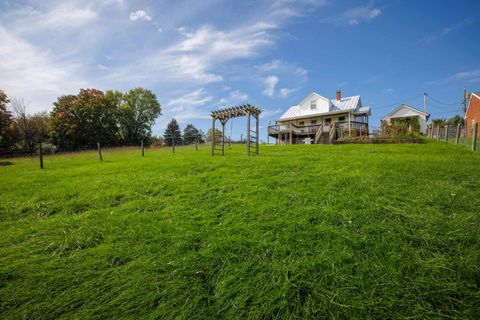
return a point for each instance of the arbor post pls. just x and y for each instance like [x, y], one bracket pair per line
[446, 133]
[143, 150]
[223, 137]
[256, 134]
[213, 136]
[173, 143]
[438, 133]
[99, 151]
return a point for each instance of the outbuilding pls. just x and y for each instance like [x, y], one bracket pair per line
[404, 112]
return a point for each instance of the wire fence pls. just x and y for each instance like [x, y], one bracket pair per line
[459, 134]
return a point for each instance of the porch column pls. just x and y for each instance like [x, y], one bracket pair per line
[349, 125]
[290, 125]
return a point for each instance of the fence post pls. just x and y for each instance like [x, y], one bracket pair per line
[446, 133]
[173, 143]
[457, 136]
[143, 150]
[40, 153]
[196, 144]
[438, 133]
[99, 152]
[474, 136]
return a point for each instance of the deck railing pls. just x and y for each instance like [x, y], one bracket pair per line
[297, 130]
[352, 129]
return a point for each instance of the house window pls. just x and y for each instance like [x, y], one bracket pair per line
[313, 105]
[313, 122]
[341, 118]
[301, 123]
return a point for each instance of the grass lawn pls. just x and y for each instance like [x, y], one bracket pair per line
[321, 231]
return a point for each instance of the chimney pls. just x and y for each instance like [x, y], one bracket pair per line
[339, 95]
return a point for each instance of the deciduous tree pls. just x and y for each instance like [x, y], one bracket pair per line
[137, 113]
[85, 119]
[218, 134]
[6, 121]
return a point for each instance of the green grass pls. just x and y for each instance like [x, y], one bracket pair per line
[345, 231]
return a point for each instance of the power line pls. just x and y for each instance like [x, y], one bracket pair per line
[444, 103]
[398, 103]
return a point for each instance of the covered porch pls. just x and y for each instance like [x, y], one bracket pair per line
[295, 131]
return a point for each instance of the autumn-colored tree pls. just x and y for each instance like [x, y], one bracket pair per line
[84, 119]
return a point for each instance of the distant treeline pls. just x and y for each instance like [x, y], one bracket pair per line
[111, 118]
[79, 121]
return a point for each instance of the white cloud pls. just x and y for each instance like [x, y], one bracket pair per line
[139, 15]
[195, 57]
[270, 83]
[389, 91]
[294, 8]
[188, 106]
[50, 49]
[35, 74]
[354, 16]
[270, 113]
[237, 96]
[447, 30]
[285, 92]
[471, 76]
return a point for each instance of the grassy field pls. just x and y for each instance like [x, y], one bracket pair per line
[346, 231]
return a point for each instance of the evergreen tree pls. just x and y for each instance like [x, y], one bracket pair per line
[172, 133]
[192, 134]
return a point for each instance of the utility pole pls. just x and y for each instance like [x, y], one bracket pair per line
[425, 102]
[464, 100]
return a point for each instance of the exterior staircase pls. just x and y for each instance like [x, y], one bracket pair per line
[321, 137]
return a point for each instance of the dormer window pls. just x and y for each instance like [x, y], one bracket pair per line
[313, 105]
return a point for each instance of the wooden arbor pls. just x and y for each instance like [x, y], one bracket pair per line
[224, 115]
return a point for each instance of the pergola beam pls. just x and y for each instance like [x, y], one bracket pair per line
[233, 112]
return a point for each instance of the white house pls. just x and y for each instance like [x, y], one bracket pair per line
[405, 111]
[315, 116]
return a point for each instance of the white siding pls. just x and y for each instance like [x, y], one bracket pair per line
[404, 112]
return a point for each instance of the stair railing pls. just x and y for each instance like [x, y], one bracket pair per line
[332, 136]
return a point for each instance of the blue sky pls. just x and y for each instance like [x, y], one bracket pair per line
[201, 55]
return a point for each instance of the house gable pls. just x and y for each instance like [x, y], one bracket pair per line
[473, 103]
[403, 111]
[322, 104]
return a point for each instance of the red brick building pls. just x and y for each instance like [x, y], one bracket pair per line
[473, 113]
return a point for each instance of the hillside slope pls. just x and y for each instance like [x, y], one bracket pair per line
[347, 231]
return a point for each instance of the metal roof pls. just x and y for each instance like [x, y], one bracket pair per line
[403, 105]
[352, 103]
